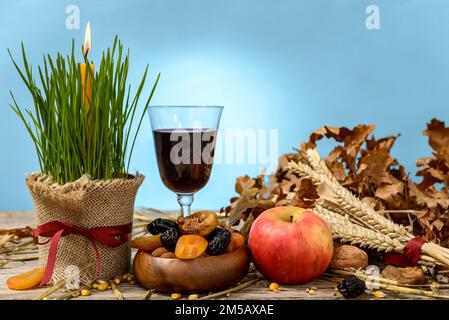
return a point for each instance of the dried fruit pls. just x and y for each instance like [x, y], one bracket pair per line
[159, 251]
[146, 243]
[351, 287]
[169, 238]
[169, 255]
[26, 280]
[190, 247]
[218, 241]
[160, 225]
[407, 276]
[200, 223]
[236, 242]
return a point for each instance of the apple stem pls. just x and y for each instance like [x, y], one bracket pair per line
[291, 218]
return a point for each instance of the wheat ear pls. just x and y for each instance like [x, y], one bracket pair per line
[342, 229]
[345, 231]
[352, 205]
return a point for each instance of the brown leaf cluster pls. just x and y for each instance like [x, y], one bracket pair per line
[364, 165]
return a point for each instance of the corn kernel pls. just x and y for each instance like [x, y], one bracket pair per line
[176, 296]
[85, 292]
[102, 286]
[274, 287]
[192, 297]
[378, 294]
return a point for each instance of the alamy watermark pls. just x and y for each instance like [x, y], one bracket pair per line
[72, 20]
[226, 147]
[372, 21]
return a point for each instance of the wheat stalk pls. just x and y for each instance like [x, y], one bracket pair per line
[346, 231]
[343, 229]
[352, 205]
[355, 207]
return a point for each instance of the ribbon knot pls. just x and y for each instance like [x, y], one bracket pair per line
[410, 258]
[54, 230]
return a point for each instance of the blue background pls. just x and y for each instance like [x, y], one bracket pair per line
[292, 65]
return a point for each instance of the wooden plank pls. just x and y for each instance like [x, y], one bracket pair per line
[324, 289]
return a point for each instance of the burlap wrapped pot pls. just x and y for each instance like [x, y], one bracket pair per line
[85, 203]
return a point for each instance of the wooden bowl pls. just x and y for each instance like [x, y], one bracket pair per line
[205, 274]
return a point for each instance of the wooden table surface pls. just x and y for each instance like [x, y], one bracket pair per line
[323, 289]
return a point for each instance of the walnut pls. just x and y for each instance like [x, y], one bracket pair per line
[200, 223]
[410, 275]
[346, 256]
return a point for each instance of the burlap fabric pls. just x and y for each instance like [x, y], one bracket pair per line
[85, 203]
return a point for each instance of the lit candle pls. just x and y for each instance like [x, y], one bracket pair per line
[86, 83]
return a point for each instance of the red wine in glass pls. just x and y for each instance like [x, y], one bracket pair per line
[184, 157]
[184, 138]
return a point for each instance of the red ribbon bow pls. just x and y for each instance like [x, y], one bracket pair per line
[410, 258]
[108, 236]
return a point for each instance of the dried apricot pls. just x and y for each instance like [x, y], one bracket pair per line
[200, 223]
[26, 280]
[236, 242]
[168, 255]
[190, 246]
[158, 252]
[146, 243]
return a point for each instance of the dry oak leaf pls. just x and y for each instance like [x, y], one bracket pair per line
[375, 165]
[438, 138]
[306, 194]
[425, 199]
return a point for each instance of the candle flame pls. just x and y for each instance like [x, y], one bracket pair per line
[87, 40]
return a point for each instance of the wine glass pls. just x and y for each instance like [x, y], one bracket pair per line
[184, 139]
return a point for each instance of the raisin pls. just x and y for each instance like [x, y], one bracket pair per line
[159, 225]
[218, 241]
[169, 238]
[351, 287]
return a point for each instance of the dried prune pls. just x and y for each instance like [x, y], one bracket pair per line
[351, 287]
[200, 223]
[169, 238]
[159, 225]
[218, 241]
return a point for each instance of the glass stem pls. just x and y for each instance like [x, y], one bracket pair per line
[185, 200]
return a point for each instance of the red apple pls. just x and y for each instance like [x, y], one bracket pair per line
[290, 245]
